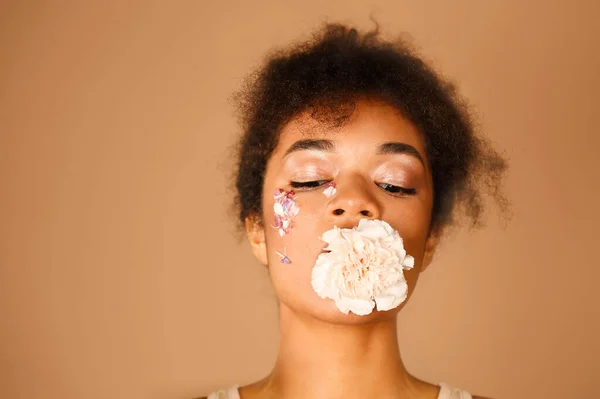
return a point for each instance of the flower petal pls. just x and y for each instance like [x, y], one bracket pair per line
[409, 262]
[392, 296]
[363, 268]
[360, 307]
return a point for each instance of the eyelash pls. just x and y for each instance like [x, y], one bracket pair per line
[308, 184]
[398, 190]
[390, 188]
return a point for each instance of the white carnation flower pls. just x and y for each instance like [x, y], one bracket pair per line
[363, 268]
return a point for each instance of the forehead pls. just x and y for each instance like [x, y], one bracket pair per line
[371, 123]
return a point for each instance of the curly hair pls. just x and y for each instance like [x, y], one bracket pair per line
[326, 76]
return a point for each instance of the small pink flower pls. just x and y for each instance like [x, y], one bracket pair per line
[285, 209]
[364, 268]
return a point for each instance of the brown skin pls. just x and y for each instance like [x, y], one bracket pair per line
[324, 353]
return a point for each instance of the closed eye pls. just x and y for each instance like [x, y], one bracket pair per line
[308, 184]
[397, 190]
[392, 189]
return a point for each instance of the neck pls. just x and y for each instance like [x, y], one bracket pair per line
[322, 360]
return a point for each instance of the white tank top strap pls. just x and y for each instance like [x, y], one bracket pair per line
[227, 393]
[447, 392]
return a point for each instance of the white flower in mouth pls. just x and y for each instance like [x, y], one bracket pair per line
[364, 267]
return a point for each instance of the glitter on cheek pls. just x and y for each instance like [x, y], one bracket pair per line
[285, 208]
[330, 190]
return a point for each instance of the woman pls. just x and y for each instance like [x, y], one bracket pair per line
[354, 159]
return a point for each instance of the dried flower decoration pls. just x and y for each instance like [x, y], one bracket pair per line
[285, 209]
[284, 257]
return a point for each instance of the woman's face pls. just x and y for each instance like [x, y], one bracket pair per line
[378, 164]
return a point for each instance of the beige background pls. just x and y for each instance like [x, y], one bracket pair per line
[120, 276]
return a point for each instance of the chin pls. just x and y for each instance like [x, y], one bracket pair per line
[326, 311]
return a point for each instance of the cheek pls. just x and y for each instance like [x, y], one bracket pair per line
[287, 211]
[412, 222]
[301, 246]
[293, 225]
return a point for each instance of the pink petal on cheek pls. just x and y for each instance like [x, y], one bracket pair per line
[285, 208]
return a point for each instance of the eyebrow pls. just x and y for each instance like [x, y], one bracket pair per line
[316, 145]
[329, 146]
[399, 148]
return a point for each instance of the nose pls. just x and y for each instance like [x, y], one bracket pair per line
[352, 202]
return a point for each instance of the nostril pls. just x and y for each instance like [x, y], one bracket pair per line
[365, 213]
[338, 212]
